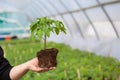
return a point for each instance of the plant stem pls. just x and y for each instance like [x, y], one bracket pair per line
[44, 41]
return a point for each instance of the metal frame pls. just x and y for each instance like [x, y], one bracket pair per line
[35, 8]
[77, 25]
[91, 7]
[94, 6]
[44, 6]
[89, 20]
[61, 16]
[37, 3]
[110, 20]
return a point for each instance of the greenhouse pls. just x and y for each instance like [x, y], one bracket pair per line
[84, 36]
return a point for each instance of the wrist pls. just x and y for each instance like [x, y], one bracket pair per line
[26, 66]
[29, 64]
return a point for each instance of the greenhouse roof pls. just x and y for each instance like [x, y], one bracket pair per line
[96, 18]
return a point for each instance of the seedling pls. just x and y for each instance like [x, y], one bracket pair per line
[41, 29]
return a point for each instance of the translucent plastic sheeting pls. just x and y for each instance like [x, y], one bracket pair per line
[56, 4]
[105, 1]
[101, 23]
[47, 7]
[71, 23]
[114, 14]
[70, 4]
[7, 7]
[87, 3]
[100, 47]
[62, 38]
[85, 25]
[66, 25]
[36, 10]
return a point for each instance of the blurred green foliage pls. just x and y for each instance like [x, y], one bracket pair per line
[73, 64]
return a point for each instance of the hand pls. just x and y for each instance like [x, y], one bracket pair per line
[20, 70]
[33, 65]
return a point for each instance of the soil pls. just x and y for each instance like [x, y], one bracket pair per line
[47, 58]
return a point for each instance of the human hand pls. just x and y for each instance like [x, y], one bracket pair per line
[20, 70]
[33, 65]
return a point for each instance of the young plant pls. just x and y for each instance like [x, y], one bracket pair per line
[42, 27]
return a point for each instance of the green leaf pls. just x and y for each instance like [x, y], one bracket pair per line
[40, 34]
[47, 33]
[63, 29]
[47, 30]
[44, 26]
[57, 23]
[43, 20]
[33, 26]
[57, 30]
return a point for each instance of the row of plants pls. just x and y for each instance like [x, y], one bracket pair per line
[73, 64]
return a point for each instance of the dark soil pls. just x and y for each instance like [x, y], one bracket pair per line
[47, 58]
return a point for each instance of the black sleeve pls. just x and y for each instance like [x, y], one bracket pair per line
[1, 52]
[5, 67]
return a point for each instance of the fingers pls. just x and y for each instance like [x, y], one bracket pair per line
[44, 69]
[51, 68]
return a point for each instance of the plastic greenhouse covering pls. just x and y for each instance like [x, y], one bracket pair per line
[92, 25]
